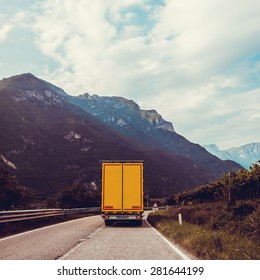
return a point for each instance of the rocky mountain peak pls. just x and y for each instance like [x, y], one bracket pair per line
[28, 82]
[121, 112]
[108, 101]
[85, 96]
[27, 87]
[20, 81]
[156, 120]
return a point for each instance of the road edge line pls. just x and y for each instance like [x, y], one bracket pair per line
[178, 251]
[41, 228]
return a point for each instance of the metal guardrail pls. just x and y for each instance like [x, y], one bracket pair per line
[20, 215]
[158, 208]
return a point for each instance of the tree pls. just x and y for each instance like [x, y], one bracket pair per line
[79, 196]
[12, 194]
[255, 177]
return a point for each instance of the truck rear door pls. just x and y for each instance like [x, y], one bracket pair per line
[112, 177]
[132, 187]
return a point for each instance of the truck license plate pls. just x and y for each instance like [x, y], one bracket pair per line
[122, 217]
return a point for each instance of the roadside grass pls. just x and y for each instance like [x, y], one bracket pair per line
[211, 231]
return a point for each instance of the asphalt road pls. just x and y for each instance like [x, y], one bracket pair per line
[50, 242]
[89, 239]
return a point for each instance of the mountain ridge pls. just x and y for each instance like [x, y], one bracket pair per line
[245, 155]
[54, 143]
[149, 128]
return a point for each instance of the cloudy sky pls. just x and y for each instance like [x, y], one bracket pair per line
[197, 62]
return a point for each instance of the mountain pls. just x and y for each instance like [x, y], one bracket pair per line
[245, 155]
[214, 150]
[150, 129]
[53, 143]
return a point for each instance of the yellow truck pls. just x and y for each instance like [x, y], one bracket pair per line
[122, 191]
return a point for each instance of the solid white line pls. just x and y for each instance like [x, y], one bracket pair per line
[175, 249]
[37, 229]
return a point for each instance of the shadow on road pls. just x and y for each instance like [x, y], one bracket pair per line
[128, 224]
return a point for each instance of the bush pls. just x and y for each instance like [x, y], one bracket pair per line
[243, 210]
[12, 194]
[79, 196]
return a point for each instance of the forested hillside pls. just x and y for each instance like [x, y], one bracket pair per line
[243, 185]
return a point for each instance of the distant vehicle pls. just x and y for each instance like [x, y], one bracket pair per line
[122, 192]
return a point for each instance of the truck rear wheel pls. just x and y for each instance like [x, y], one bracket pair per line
[108, 223]
[139, 223]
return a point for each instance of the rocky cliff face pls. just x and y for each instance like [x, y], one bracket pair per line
[150, 129]
[121, 113]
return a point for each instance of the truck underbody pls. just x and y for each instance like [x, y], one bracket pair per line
[133, 218]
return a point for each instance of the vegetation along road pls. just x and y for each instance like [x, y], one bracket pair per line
[88, 238]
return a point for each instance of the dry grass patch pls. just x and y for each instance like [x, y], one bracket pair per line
[212, 232]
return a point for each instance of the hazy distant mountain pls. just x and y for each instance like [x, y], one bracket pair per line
[245, 155]
[53, 143]
[214, 150]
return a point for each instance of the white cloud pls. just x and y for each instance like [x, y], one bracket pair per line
[207, 37]
[4, 31]
[8, 24]
[207, 114]
[194, 64]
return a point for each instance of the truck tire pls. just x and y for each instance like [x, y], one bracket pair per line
[108, 223]
[139, 223]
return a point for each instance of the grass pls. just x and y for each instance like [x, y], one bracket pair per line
[211, 231]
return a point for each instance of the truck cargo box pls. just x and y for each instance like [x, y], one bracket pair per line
[122, 191]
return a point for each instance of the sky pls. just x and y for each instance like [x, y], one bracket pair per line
[197, 62]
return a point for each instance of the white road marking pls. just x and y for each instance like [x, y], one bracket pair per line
[174, 248]
[37, 229]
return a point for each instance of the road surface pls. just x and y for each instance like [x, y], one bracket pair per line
[89, 239]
